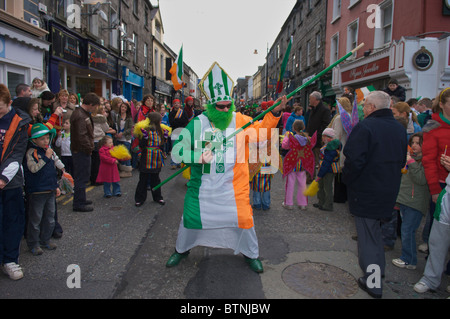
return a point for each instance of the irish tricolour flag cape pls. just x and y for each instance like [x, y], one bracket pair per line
[218, 192]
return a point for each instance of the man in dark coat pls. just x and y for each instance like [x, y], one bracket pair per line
[375, 154]
[319, 118]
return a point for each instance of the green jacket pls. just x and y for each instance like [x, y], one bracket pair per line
[414, 190]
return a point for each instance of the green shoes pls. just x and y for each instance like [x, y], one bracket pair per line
[176, 258]
[255, 264]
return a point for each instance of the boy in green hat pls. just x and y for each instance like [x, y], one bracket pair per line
[41, 186]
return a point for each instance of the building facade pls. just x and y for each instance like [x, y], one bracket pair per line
[23, 44]
[416, 54]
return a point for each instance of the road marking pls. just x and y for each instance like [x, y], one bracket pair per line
[60, 199]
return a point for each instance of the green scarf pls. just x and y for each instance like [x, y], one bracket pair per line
[220, 119]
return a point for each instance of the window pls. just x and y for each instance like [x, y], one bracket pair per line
[334, 50]
[352, 36]
[278, 51]
[93, 24]
[353, 3]
[336, 10]
[145, 56]
[135, 41]
[114, 35]
[300, 59]
[146, 18]
[310, 5]
[308, 53]
[161, 66]
[61, 8]
[123, 42]
[136, 7]
[318, 46]
[383, 35]
[156, 60]
[3, 4]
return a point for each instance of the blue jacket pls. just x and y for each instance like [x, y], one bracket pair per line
[330, 158]
[291, 120]
[375, 154]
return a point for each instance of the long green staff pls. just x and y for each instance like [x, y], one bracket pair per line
[345, 57]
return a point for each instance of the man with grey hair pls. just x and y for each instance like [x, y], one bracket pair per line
[319, 118]
[375, 153]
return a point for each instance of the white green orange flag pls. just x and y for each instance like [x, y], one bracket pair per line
[177, 71]
[361, 93]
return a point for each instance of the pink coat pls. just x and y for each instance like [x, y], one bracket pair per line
[108, 171]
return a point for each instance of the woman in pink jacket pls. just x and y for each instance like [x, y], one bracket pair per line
[108, 172]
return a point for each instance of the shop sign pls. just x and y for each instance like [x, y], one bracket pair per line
[423, 59]
[67, 47]
[162, 87]
[98, 59]
[366, 70]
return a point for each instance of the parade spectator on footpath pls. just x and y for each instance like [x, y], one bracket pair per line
[413, 200]
[108, 174]
[23, 90]
[402, 109]
[82, 146]
[425, 108]
[436, 140]
[63, 142]
[62, 100]
[439, 239]
[319, 118]
[41, 187]
[177, 119]
[124, 128]
[296, 115]
[393, 89]
[73, 99]
[375, 154]
[47, 101]
[286, 114]
[13, 145]
[148, 105]
[37, 87]
[413, 103]
[101, 128]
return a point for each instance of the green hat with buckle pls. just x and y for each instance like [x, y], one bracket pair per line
[216, 85]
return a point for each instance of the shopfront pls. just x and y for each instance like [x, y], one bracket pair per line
[22, 57]
[162, 91]
[80, 66]
[133, 85]
[420, 65]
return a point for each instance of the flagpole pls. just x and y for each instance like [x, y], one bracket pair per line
[345, 57]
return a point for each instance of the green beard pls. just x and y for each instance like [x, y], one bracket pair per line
[220, 119]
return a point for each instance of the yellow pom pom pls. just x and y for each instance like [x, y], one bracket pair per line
[167, 128]
[141, 125]
[312, 189]
[120, 152]
[404, 170]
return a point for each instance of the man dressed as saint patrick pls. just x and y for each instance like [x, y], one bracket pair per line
[217, 211]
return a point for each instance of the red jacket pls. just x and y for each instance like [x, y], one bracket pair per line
[436, 137]
[108, 171]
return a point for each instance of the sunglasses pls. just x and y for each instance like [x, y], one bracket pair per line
[221, 107]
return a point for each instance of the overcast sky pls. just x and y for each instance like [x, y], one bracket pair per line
[226, 31]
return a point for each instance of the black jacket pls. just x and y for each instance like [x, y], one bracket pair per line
[399, 92]
[375, 154]
[319, 118]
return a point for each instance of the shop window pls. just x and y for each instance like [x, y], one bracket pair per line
[13, 80]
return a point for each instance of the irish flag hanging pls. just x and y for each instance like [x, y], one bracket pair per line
[283, 67]
[177, 71]
[361, 93]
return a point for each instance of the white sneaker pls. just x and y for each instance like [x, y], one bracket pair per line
[401, 264]
[423, 248]
[303, 207]
[13, 270]
[287, 206]
[421, 287]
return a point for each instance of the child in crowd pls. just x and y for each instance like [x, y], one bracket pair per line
[151, 140]
[436, 140]
[328, 167]
[298, 175]
[413, 200]
[63, 142]
[402, 109]
[42, 188]
[108, 173]
[439, 241]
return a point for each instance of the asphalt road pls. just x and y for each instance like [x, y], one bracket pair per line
[119, 252]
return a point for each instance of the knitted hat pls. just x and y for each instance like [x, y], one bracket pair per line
[189, 98]
[264, 105]
[39, 129]
[329, 132]
[216, 85]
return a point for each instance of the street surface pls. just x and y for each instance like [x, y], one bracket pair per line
[120, 252]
